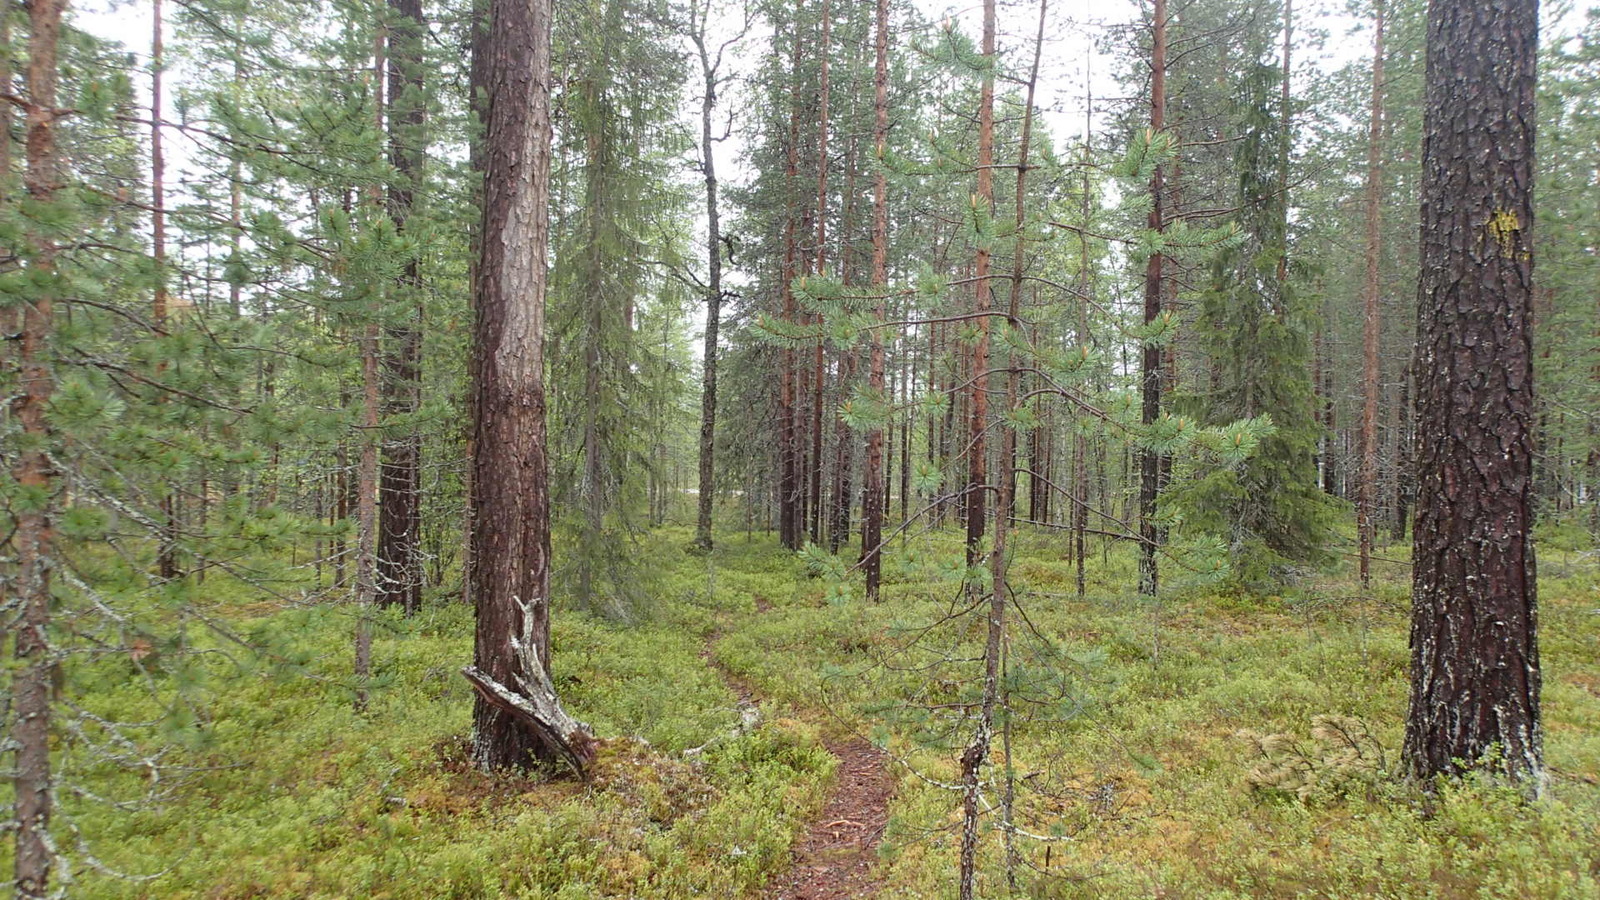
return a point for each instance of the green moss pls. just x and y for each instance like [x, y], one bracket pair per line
[1128, 747]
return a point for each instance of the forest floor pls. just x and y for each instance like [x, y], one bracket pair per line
[834, 860]
[1215, 744]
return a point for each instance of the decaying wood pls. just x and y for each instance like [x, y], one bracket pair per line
[532, 700]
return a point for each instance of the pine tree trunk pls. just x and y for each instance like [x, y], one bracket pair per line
[511, 495]
[167, 549]
[400, 486]
[367, 469]
[1402, 460]
[873, 502]
[33, 538]
[790, 498]
[977, 750]
[366, 514]
[1371, 375]
[818, 266]
[1151, 462]
[1474, 645]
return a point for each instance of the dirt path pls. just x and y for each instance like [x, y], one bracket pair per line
[833, 861]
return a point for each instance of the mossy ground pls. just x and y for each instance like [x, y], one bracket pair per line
[1130, 743]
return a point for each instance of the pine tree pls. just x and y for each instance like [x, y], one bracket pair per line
[517, 719]
[1475, 690]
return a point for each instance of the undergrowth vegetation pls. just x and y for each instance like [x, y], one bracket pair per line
[1214, 744]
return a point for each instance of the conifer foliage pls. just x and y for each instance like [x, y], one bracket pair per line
[318, 318]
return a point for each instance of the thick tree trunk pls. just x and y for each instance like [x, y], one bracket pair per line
[400, 485]
[1474, 645]
[1371, 375]
[1152, 463]
[33, 539]
[511, 492]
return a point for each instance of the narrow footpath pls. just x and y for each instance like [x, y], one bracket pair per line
[834, 859]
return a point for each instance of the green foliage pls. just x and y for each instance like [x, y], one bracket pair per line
[1266, 504]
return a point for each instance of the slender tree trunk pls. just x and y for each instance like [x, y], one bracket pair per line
[400, 523]
[1151, 462]
[708, 394]
[167, 551]
[33, 539]
[843, 436]
[1371, 374]
[366, 514]
[511, 491]
[999, 597]
[592, 493]
[977, 750]
[908, 384]
[1402, 460]
[871, 508]
[1285, 144]
[477, 161]
[819, 263]
[1330, 417]
[790, 501]
[367, 469]
[1474, 642]
[1078, 515]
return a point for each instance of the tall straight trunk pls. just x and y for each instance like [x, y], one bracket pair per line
[908, 383]
[1371, 375]
[367, 469]
[1285, 143]
[400, 485]
[977, 751]
[819, 263]
[1329, 413]
[843, 463]
[33, 538]
[167, 549]
[594, 498]
[976, 494]
[1018, 265]
[1319, 365]
[843, 435]
[1474, 627]
[873, 503]
[511, 491]
[1005, 504]
[366, 514]
[708, 392]
[790, 499]
[1152, 462]
[1402, 460]
[1078, 513]
[477, 159]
